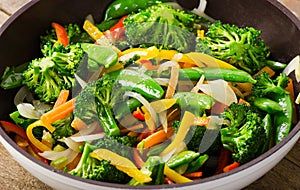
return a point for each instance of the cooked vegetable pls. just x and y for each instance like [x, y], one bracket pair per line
[119, 8]
[245, 135]
[163, 26]
[48, 75]
[94, 104]
[92, 168]
[241, 47]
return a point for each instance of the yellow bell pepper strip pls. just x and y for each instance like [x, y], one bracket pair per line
[163, 104]
[153, 52]
[38, 144]
[92, 30]
[186, 122]
[174, 176]
[204, 60]
[61, 33]
[121, 163]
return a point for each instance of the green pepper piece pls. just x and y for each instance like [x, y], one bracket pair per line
[197, 164]
[194, 102]
[107, 24]
[283, 120]
[130, 80]
[120, 8]
[99, 55]
[12, 77]
[267, 105]
[181, 158]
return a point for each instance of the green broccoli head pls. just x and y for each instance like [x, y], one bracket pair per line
[92, 168]
[234, 114]
[246, 139]
[63, 128]
[164, 26]
[94, 104]
[241, 47]
[48, 75]
[265, 86]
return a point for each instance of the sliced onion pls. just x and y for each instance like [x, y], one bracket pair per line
[87, 130]
[81, 82]
[220, 91]
[130, 55]
[163, 120]
[88, 137]
[201, 10]
[297, 101]
[165, 66]
[197, 86]
[294, 65]
[21, 95]
[145, 103]
[162, 81]
[72, 144]
[27, 110]
[41, 107]
[54, 155]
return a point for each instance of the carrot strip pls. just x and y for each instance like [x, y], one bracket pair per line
[62, 98]
[231, 166]
[290, 89]
[59, 112]
[156, 138]
[201, 121]
[193, 174]
[268, 70]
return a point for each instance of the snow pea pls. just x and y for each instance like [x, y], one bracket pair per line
[182, 158]
[228, 74]
[195, 165]
[283, 120]
[269, 130]
[120, 8]
[267, 105]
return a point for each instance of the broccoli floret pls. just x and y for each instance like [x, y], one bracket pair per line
[92, 168]
[94, 104]
[75, 35]
[241, 47]
[246, 138]
[234, 114]
[121, 145]
[48, 75]
[265, 86]
[63, 128]
[163, 26]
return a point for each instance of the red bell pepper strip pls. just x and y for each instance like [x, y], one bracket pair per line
[12, 128]
[61, 33]
[119, 24]
[231, 166]
[138, 114]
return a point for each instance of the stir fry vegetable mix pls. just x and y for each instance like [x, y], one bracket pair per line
[151, 95]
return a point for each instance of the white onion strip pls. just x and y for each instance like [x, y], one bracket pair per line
[294, 65]
[54, 155]
[28, 110]
[88, 137]
[220, 91]
[72, 144]
[197, 86]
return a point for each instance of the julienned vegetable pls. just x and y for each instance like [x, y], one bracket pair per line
[120, 121]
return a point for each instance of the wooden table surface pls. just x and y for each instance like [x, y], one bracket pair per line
[286, 175]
